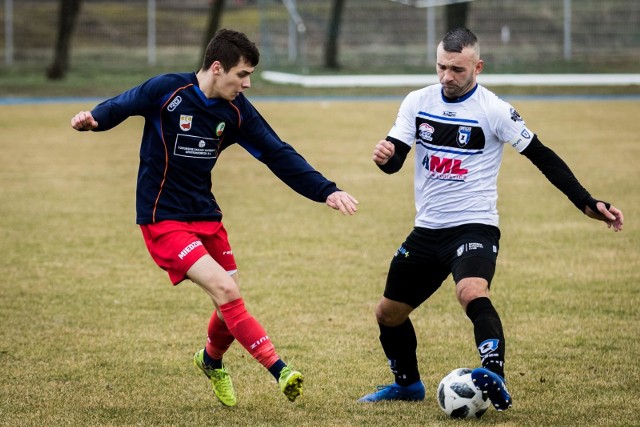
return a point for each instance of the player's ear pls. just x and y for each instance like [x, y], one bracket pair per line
[479, 66]
[217, 68]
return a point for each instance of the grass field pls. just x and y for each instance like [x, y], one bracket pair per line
[92, 333]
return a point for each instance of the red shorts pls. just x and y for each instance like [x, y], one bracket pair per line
[175, 245]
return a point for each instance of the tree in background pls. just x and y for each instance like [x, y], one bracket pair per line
[216, 10]
[67, 18]
[456, 15]
[333, 34]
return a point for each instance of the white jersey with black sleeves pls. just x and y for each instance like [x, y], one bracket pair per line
[459, 145]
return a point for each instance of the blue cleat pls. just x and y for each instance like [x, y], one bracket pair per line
[394, 391]
[492, 385]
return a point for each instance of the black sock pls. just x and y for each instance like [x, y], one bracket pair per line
[276, 368]
[489, 336]
[400, 344]
[210, 362]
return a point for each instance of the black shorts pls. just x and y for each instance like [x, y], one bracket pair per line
[427, 257]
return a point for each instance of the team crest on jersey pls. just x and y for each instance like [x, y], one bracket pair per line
[425, 132]
[185, 122]
[464, 135]
[220, 129]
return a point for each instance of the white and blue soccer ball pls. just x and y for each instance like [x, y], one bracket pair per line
[458, 396]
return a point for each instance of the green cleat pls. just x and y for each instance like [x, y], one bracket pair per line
[220, 380]
[290, 383]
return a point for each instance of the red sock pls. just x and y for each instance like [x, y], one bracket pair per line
[246, 329]
[219, 338]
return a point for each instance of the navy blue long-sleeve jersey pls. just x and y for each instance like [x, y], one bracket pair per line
[184, 133]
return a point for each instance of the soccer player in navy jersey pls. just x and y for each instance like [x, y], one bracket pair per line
[189, 119]
[459, 129]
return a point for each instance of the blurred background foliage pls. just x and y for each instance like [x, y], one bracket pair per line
[106, 41]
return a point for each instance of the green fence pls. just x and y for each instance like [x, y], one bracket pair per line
[376, 35]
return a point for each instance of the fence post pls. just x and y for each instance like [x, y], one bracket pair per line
[297, 30]
[8, 32]
[431, 35]
[151, 32]
[567, 29]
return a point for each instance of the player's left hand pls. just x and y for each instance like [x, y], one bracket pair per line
[84, 121]
[613, 216]
[343, 202]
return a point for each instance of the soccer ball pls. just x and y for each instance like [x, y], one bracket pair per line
[458, 396]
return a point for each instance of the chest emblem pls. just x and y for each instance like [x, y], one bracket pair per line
[220, 129]
[425, 132]
[185, 122]
[464, 135]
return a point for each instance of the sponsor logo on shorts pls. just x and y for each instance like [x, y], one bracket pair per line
[189, 248]
[402, 251]
[470, 247]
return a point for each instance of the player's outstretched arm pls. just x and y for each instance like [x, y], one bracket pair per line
[84, 121]
[343, 202]
[611, 215]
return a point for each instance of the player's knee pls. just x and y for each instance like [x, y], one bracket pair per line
[391, 314]
[222, 289]
[230, 290]
[471, 288]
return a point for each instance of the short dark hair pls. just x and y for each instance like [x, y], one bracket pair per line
[457, 39]
[228, 47]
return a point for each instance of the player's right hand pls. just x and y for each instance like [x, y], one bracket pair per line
[383, 151]
[83, 121]
[612, 216]
[343, 202]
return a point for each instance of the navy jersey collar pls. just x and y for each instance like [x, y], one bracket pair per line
[200, 93]
[460, 98]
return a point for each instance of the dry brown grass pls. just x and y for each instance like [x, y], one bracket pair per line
[91, 333]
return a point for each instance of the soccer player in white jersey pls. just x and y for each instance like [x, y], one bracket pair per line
[458, 128]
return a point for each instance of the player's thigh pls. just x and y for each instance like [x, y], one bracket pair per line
[415, 272]
[216, 241]
[474, 252]
[214, 280]
[174, 246]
